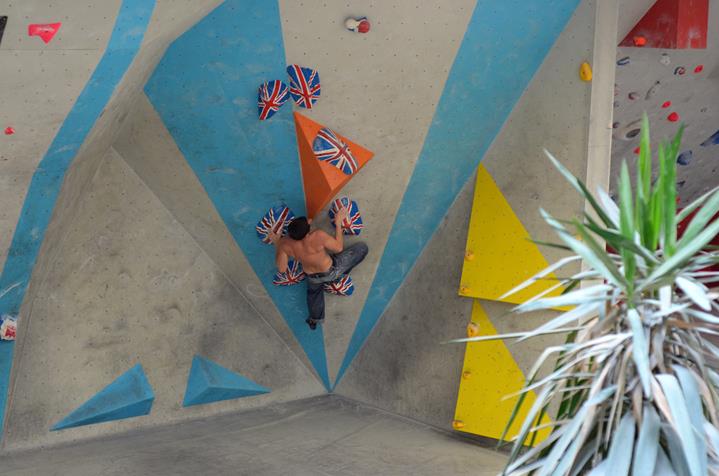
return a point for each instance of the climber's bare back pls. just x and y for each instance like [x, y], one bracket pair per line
[311, 251]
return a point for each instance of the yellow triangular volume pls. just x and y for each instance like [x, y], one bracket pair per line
[499, 255]
[490, 373]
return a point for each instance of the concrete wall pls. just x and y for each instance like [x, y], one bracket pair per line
[130, 285]
[404, 367]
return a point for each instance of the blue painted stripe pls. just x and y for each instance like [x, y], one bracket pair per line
[205, 91]
[504, 45]
[46, 182]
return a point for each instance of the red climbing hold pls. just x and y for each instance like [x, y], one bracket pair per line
[666, 104]
[640, 41]
[359, 25]
[673, 117]
[9, 131]
[699, 68]
[45, 31]
[636, 151]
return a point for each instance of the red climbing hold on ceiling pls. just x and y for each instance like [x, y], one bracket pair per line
[673, 117]
[45, 31]
[666, 104]
[675, 24]
[9, 131]
[359, 25]
[699, 68]
[639, 41]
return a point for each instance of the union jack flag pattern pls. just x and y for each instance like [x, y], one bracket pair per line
[353, 224]
[304, 85]
[270, 97]
[275, 220]
[330, 148]
[342, 287]
[294, 274]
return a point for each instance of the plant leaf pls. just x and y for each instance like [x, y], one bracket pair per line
[619, 458]
[640, 351]
[645, 453]
[695, 291]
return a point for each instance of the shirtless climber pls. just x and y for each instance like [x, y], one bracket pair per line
[323, 257]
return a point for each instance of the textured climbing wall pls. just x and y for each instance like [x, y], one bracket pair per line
[72, 98]
[671, 84]
[404, 366]
[131, 286]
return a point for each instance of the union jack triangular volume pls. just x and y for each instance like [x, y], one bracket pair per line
[322, 181]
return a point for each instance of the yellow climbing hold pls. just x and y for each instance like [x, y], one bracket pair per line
[464, 290]
[469, 255]
[585, 72]
[472, 330]
[466, 374]
[457, 424]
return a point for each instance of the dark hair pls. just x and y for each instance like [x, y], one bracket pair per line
[298, 228]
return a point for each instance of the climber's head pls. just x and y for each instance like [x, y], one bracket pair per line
[298, 228]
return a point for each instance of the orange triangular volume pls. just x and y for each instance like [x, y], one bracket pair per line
[322, 180]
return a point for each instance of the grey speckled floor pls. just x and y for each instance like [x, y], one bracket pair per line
[320, 436]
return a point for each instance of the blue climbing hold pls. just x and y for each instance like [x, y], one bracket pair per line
[713, 140]
[209, 382]
[623, 61]
[685, 157]
[130, 395]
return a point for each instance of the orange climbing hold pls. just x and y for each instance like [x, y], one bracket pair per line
[322, 180]
[640, 41]
[457, 424]
[472, 330]
[585, 72]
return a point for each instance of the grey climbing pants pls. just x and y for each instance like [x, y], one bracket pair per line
[342, 263]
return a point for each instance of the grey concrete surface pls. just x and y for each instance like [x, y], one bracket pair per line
[147, 146]
[325, 436]
[413, 44]
[693, 97]
[130, 285]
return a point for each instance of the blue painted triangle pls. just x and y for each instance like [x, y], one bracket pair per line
[209, 382]
[241, 162]
[129, 395]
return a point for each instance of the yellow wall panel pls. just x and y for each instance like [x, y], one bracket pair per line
[499, 255]
[490, 374]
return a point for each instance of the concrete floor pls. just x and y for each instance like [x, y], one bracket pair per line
[325, 435]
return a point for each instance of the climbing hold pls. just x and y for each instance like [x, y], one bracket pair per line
[685, 157]
[623, 61]
[631, 134]
[637, 150]
[466, 374]
[464, 290]
[457, 424]
[704, 109]
[342, 287]
[353, 224]
[358, 25]
[640, 41]
[681, 183]
[616, 104]
[633, 96]
[8, 327]
[673, 117]
[652, 91]
[45, 31]
[585, 72]
[9, 131]
[469, 255]
[304, 85]
[472, 329]
[665, 59]
[699, 69]
[293, 275]
[615, 125]
[3, 22]
[680, 70]
[276, 220]
[712, 140]
[270, 98]
[666, 104]
[328, 147]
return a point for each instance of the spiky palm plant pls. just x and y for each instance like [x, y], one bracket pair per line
[637, 380]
